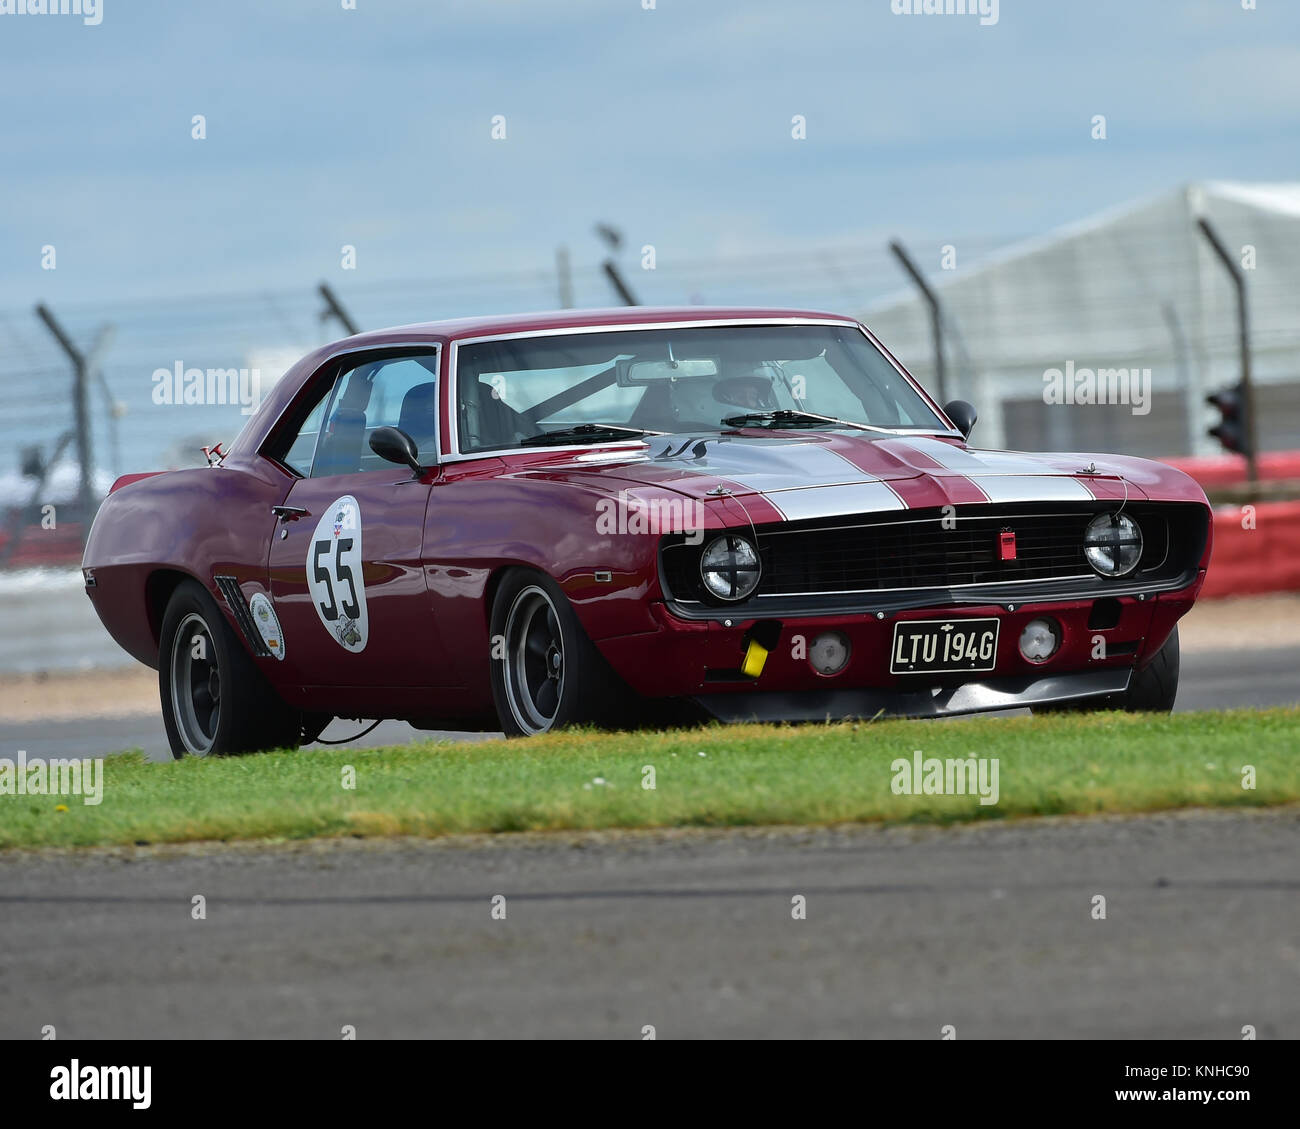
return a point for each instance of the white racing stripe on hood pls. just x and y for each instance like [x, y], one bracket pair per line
[826, 485]
[814, 466]
[1039, 488]
[974, 463]
[1005, 476]
[832, 501]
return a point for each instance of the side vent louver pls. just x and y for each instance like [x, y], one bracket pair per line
[229, 587]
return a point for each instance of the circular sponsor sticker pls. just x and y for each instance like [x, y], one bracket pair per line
[267, 623]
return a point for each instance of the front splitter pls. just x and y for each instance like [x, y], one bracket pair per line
[1006, 693]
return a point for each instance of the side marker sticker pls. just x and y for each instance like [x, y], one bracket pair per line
[267, 624]
[338, 590]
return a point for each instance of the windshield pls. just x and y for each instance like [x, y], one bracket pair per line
[679, 380]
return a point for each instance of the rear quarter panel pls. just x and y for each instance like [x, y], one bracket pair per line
[200, 523]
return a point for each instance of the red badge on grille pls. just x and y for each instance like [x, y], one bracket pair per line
[1007, 545]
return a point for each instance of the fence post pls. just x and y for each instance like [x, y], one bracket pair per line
[936, 318]
[564, 276]
[81, 409]
[1243, 343]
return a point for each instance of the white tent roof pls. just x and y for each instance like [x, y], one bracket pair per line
[1133, 286]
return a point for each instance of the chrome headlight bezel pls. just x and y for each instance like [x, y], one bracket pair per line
[742, 570]
[1112, 544]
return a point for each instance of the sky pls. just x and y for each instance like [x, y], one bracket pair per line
[372, 126]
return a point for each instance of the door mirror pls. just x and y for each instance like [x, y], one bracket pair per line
[962, 414]
[393, 444]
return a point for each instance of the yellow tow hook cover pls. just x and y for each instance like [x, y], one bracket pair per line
[755, 657]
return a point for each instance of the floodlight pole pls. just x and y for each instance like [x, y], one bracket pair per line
[613, 238]
[936, 316]
[1243, 333]
[334, 309]
[616, 280]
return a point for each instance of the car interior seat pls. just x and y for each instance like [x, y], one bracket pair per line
[339, 449]
[487, 420]
[419, 419]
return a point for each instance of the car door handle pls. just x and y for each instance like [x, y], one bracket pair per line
[290, 513]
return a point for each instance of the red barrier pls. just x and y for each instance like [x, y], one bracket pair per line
[1213, 471]
[1252, 561]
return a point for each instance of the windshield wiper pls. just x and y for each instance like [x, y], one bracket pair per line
[789, 417]
[582, 431]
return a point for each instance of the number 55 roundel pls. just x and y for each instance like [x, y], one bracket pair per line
[334, 574]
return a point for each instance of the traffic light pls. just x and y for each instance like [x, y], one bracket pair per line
[1231, 430]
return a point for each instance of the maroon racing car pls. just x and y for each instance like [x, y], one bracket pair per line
[630, 516]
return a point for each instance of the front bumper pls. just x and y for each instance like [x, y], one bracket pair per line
[1102, 642]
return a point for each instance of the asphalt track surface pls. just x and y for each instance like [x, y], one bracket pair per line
[1209, 681]
[985, 928]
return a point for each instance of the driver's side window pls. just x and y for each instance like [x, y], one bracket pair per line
[390, 391]
[303, 448]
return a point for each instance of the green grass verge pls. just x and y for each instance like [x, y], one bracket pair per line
[714, 777]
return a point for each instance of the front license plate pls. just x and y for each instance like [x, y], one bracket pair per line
[927, 646]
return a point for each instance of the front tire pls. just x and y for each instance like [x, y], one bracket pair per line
[214, 699]
[546, 673]
[1150, 690]
[1154, 688]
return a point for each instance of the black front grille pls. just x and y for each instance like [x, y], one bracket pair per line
[918, 550]
[922, 554]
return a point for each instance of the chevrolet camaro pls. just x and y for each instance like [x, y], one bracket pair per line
[629, 517]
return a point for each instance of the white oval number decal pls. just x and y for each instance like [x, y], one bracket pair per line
[334, 574]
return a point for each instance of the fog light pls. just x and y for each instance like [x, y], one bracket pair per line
[829, 653]
[1039, 640]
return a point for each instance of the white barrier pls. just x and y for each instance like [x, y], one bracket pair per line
[47, 623]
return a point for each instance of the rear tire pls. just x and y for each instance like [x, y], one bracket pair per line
[214, 699]
[1151, 689]
[546, 673]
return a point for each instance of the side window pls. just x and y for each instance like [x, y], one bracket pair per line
[303, 447]
[390, 392]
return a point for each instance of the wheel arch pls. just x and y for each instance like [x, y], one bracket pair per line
[159, 586]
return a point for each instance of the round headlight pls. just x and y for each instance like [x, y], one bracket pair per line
[1113, 544]
[730, 568]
